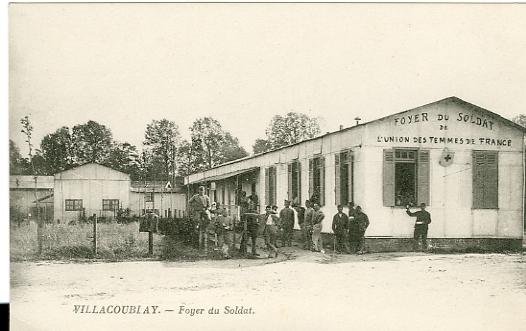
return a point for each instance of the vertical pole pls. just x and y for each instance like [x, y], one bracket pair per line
[150, 240]
[94, 235]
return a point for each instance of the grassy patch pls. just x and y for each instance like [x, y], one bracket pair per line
[62, 241]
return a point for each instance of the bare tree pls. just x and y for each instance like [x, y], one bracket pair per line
[27, 129]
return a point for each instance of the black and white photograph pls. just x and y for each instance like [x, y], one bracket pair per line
[267, 166]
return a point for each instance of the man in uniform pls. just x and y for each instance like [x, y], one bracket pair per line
[423, 219]
[317, 219]
[252, 220]
[286, 216]
[300, 214]
[339, 227]
[307, 225]
[271, 231]
[352, 230]
[224, 229]
[362, 222]
[199, 206]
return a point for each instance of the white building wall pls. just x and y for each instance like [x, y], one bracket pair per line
[176, 202]
[92, 183]
[451, 192]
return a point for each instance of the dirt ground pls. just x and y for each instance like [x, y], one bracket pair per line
[299, 290]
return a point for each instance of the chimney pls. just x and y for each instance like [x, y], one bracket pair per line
[357, 119]
[341, 127]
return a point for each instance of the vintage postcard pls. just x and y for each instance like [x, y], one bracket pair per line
[267, 166]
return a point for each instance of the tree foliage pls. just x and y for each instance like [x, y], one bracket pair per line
[186, 159]
[124, 157]
[91, 143]
[211, 145]
[56, 150]
[261, 145]
[17, 164]
[520, 119]
[289, 129]
[162, 140]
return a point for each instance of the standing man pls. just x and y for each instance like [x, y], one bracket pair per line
[225, 225]
[423, 219]
[251, 232]
[286, 216]
[363, 223]
[271, 231]
[352, 230]
[253, 202]
[300, 214]
[307, 225]
[339, 227]
[199, 206]
[317, 220]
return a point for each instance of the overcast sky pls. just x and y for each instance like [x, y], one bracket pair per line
[124, 65]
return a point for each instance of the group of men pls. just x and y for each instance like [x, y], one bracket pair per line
[349, 228]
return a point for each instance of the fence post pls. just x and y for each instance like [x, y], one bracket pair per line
[150, 242]
[94, 235]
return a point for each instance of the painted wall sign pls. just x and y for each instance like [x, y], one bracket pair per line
[460, 117]
[444, 140]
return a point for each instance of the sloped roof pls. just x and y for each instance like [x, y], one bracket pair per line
[28, 182]
[99, 170]
[156, 186]
[449, 99]
[464, 104]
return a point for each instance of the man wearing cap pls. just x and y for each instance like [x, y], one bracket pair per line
[199, 206]
[225, 225]
[339, 227]
[317, 219]
[286, 216]
[362, 222]
[270, 231]
[423, 219]
[307, 225]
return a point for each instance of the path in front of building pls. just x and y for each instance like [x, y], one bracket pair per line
[298, 290]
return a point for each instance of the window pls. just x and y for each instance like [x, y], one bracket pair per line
[343, 175]
[317, 180]
[270, 186]
[405, 177]
[110, 204]
[73, 204]
[148, 196]
[294, 181]
[485, 180]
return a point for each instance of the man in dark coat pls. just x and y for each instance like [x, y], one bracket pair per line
[251, 232]
[286, 216]
[423, 219]
[362, 222]
[339, 227]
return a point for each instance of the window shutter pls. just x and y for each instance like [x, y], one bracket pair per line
[267, 186]
[477, 167]
[423, 177]
[337, 170]
[491, 181]
[389, 178]
[311, 177]
[290, 192]
[298, 169]
[350, 182]
[322, 181]
[275, 185]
